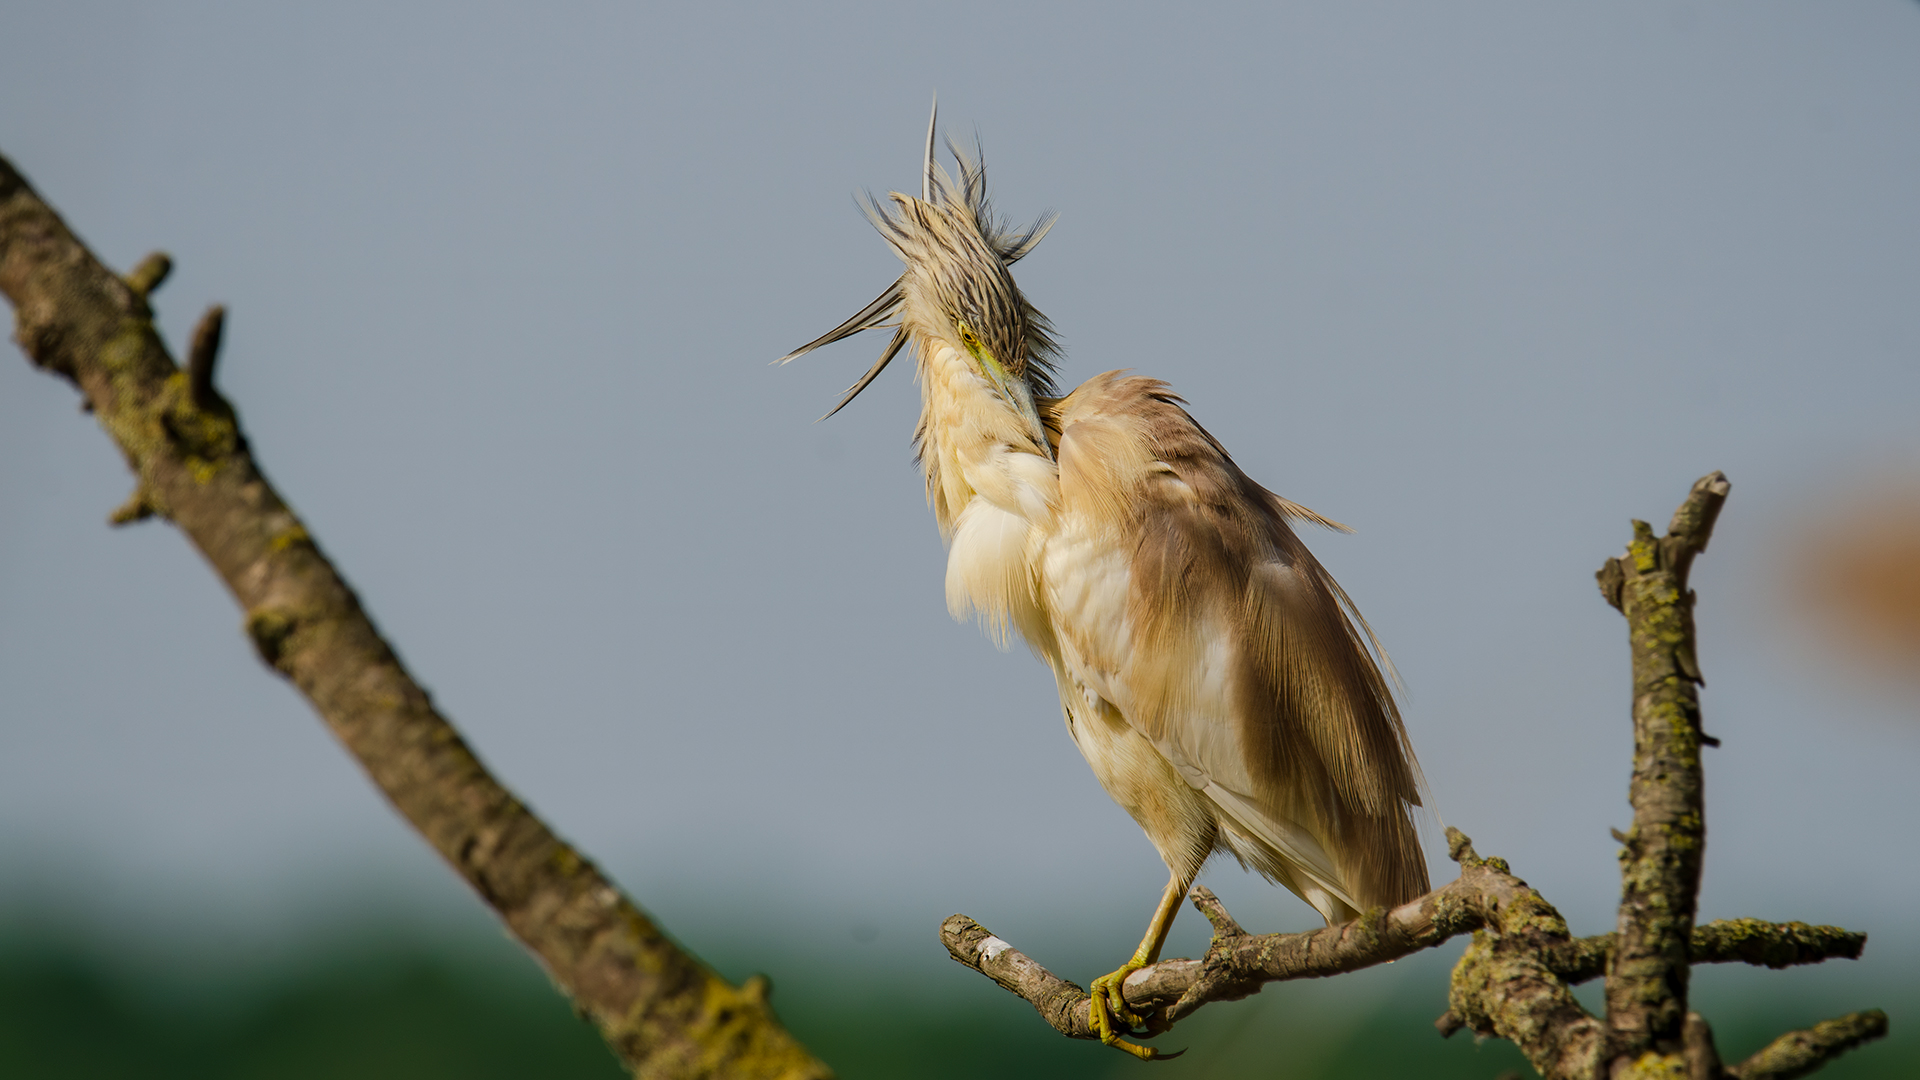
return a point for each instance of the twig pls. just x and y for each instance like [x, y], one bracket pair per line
[664, 1012]
[202, 356]
[147, 276]
[1798, 1053]
[1774, 945]
[1209, 905]
[1698, 1053]
[1062, 1004]
[1725, 941]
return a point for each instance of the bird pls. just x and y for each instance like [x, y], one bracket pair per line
[1222, 686]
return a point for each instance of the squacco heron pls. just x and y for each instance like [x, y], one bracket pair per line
[1213, 674]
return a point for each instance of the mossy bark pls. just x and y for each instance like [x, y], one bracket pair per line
[664, 1012]
[1661, 857]
[1505, 986]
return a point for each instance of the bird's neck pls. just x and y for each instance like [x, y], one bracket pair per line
[973, 444]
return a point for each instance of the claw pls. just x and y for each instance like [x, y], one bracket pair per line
[1117, 1002]
[1144, 1053]
[1106, 1003]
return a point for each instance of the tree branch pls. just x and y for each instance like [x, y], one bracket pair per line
[1724, 941]
[1660, 868]
[1510, 991]
[1505, 986]
[201, 356]
[1798, 1053]
[664, 1012]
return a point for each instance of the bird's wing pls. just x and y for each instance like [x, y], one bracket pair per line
[1236, 654]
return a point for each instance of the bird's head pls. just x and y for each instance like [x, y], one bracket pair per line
[956, 290]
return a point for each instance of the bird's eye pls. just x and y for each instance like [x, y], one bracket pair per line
[968, 338]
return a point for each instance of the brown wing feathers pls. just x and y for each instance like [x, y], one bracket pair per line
[1322, 737]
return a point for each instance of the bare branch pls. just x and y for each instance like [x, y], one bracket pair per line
[1798, 1053]
[153, 270]
[1724, 941]
[1660, 868]
[136, 508]
[1502, 986]
[1238, 964]
[1224, 925]
[201, 357]
[1062, 1004]
[663, 1011]
[1701, 1056]
[1774, 945]
[1510, 992]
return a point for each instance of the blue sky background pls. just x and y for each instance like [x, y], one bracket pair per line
[1483, 280]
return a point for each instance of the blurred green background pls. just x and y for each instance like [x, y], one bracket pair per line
[397, 1000]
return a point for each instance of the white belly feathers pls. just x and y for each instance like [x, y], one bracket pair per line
[988, 576]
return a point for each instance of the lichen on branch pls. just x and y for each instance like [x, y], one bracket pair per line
[664, 1012]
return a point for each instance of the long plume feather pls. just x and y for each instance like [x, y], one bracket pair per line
[884, 307]
[927, 173]
[893, 350]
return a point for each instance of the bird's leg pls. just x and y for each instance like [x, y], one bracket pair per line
[1108, 1002]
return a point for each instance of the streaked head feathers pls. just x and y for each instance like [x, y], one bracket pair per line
[956, 282]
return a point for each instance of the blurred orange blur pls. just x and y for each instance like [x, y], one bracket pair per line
[1858, 577]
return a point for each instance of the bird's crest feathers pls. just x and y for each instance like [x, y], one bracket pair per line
[956, 253]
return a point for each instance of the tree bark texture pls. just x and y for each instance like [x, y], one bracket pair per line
[663, 1012]
[1661, 858]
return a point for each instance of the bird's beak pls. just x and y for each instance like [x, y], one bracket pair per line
[1017, 394]
[1021, 397]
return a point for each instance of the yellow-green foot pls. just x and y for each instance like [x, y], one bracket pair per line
[1107, 1004]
